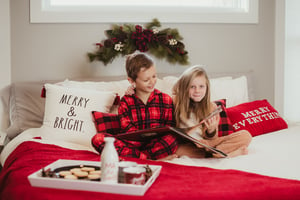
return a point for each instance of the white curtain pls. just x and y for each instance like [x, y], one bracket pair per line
[292, 61]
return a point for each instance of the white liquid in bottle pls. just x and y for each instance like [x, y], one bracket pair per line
[109, 162]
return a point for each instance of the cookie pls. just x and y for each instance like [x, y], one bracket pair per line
[81, 174]
[87, 169]
[75, 169]
[98, 172]
[94, 177]
[64, 173]
[71, 176]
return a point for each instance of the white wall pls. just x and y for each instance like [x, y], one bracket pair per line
[292, 61]
[48, 51]
[57, 51]
[5, 75]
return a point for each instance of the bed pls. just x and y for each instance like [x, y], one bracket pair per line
[42, 130]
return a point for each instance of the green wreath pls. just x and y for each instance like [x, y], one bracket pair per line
[126, 39]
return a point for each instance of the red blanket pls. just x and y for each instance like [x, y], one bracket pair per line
[174, 181]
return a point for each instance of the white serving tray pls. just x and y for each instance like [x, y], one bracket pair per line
[37, 180]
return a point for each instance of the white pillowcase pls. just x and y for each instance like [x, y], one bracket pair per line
[169, 81]
[118, 87]
[235, 91]
[68, 112]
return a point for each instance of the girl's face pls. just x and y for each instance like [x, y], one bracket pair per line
[146, 80]
[197, 89]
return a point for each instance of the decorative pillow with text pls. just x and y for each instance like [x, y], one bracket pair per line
[68, 111]
[258, 117]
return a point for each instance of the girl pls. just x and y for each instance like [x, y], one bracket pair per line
[192, 104]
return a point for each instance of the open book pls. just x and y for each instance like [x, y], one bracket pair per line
[150, 133]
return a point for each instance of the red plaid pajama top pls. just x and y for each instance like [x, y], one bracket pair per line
[135, 115]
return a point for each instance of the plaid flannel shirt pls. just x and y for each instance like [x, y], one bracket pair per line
[135, 115]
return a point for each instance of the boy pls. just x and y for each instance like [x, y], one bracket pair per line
[146, 108]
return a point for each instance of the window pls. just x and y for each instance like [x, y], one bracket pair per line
[172, 11]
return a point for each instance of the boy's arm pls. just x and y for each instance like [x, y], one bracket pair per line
[169, 111]
[170, 117]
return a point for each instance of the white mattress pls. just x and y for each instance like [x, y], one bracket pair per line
[273, 154]
[39, 132]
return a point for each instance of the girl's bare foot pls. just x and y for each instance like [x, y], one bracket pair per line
[238, 152]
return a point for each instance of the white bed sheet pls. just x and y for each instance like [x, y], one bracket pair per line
[31, 133]
[274, 154]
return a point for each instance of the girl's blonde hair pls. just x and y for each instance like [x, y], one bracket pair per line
[184, 106]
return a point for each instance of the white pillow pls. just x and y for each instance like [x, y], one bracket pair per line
[68, 112]
[235, 91]
[118, 87]
[160, 85]
[169, 81]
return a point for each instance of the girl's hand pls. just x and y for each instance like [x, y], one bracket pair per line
[130, 90]
[212, 123]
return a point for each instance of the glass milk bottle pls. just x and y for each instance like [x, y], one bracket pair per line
[109, 162]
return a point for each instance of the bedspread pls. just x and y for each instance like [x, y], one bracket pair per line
[174, 182]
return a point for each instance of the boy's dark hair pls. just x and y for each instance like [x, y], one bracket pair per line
[135, 62]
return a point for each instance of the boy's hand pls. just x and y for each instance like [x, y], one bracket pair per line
[130, 90]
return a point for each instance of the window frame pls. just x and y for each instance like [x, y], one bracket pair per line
[41, 12]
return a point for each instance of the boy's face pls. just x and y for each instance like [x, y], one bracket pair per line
[146, 80]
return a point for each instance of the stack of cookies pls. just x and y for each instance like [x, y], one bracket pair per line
[81, 172]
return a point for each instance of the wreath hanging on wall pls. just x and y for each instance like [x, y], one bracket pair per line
[126, 39]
